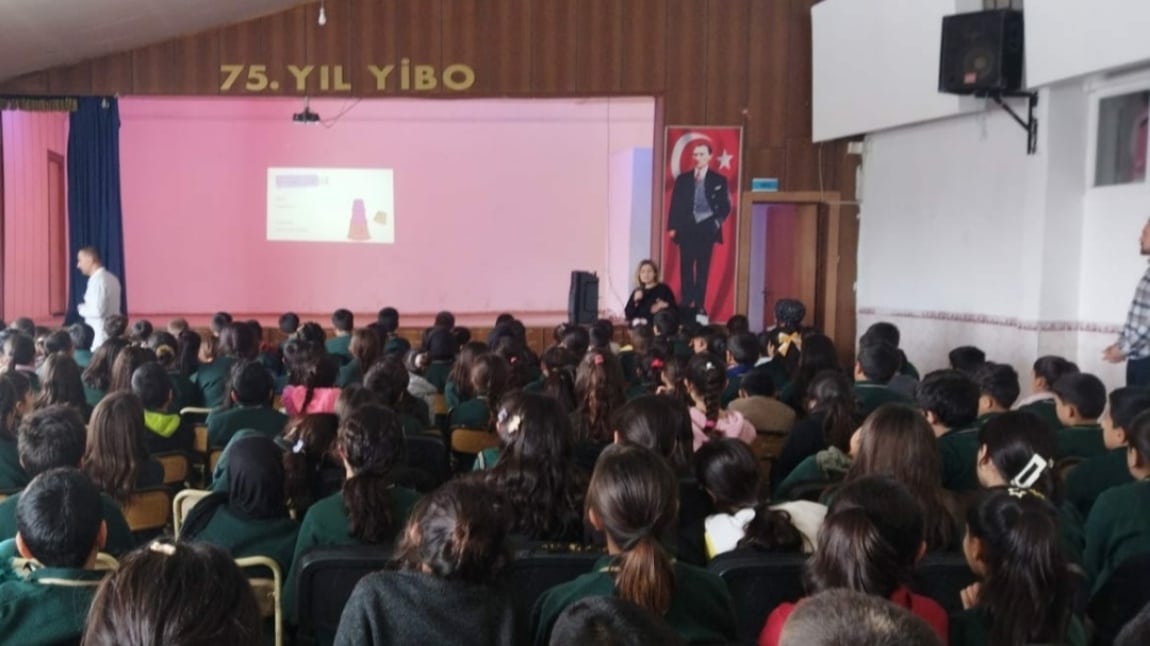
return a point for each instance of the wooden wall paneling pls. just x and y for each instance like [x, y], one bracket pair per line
[600, 48]
[802, 173]
[765, 162]
[188, 65]
[74, 79]
[112, 74]
[34, 83]
[330, 46]
[767, 64]
[554, 32]
[467, 39]
[726, 80]
[372, 43]
[418, 36]
[470, 29]
[687, 52]
[643, 29]
[275, 41]
[798, 94]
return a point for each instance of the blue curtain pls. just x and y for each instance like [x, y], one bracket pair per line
[94, 217]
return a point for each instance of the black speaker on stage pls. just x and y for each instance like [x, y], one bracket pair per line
[982, 52]
[583, 299]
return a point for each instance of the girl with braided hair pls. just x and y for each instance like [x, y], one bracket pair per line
[705, 380]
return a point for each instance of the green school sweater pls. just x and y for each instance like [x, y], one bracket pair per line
[1071, 534]
[350, 374]
[274, 538]
[970, 628]
[453, 397]
[1118, 527]
[222, 425]
[120, 539]
[437, 373]
[1080, 441]
[168, 432]
[701, 607]
[472, 413]
[339, 345]
[82, 358]
[184, 393]
[731, 392]
[212, 380]
[93, 395]
[50, 607]
[828, 464]
[12, 475]
[1092, 476]
[870, 396]
[1046, 410]
[909, 370]
[959, 452]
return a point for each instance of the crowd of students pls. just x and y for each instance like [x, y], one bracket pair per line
[648, 450]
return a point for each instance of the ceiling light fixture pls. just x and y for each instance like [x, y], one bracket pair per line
[322, 15]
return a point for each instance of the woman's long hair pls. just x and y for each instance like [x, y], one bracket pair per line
[661, 423]
[371, 443]
[127, 361]
[311, 440]
[832, 395]
[117, 445]
[98, 374]
[61, 384]
[818, 354]
[707, 377]
[600, 391]
[460, 374]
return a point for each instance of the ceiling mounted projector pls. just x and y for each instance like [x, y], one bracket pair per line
[306, 115]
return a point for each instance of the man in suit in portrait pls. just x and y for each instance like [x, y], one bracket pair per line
[700, 203]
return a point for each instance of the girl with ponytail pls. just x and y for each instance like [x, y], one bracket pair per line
[1024, 593]
[633, 499]
[705, 381]
[600, 390]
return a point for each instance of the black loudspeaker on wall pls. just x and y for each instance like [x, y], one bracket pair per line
[982, 52]
[583, 299]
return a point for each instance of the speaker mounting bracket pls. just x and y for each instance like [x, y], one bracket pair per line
[1030, 124]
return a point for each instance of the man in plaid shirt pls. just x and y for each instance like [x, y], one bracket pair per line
[1133, 344]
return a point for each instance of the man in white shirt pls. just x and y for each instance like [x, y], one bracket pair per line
[102, 298]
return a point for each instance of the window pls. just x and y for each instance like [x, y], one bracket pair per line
[1122, 136]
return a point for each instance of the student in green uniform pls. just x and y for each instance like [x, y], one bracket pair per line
[249, 406]
[388, 380]
[52, 438]
[59, 527]
[369, 509]
[116, 457]
[877, 363]
[98, 375]
[558, 365]
[889, 332]
[998, 389]
[600, 390]
[167, 349]
[1119, 523]
[312, 467]
[457, 388]
[339, 345]
[441, 349]
[251, 518]
[1024, 594]
[61, 384]
[489, 376]
[387, 326]
[1080, 400]
[966, 359]
[16, 400]
[365, 350]
[633, 499]
[82, 337]
[830, 420]
[1086, 481]
[211, 377]
[1047, 370]
[127, 361]
[742, 354]
[1008, 446]
[20, 356]
[949, 399]
[175, 593]
[168, 432]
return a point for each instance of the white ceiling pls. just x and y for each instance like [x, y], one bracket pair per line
[40, 34]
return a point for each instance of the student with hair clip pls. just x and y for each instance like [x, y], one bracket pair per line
[446, 586]
[116, 456]
[387, 380]
[1087, 481]
[830, 420]
[313, 469]
[600, 390]
[1046, 372]
[818, 354]
[705, 380]
[82, 337]
[249, 406]
[729, 473]
[62, 385]
[16, 401]
[127, 361]
[167, 349]
[20, 356]
[1118, 526]
[871, 540]
[417, 385]
[97, 376]
[441, 349]
[251, 517]
[673, 379]
[1080, 399]
[370, 509]
[523, 365]
[316, 391]
[534, 471]
[1025, 593]
[633, 498]
[364, 351]
[489, 376]
[174, 593]
[457, 388]
[646, 374]
[169, 432]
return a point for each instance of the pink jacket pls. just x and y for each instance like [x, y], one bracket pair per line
[731, 424]
[322, 400]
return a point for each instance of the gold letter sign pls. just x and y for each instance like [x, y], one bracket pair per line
[404, 76]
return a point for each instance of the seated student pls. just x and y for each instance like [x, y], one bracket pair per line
[116, 457]
[20, 357]
[250, 406]
[705, 381]
[168, 431]
[1118, 526]
[1080, 400]
[220, 321]
[613, 621]
[82, 337]
[841, 616]
[445, 589]
[62, 384]
[489, 376]
[1047, 370]
[742, 354]
[523, 363]
[441, 349]
[871, 540]
[52, 438]
[387, 325]
[710, 339]
[729, 473]
[251, 518]
[950, 401]
[558, 367]
[177, 326]
[457, 388]
[129, 359]
[417, 385]
[665, 324]
[877, 363]
[16, 401]
[575, 338]
[534, 470]
[998, 389]
[59, 342]
[365, 350]
[97, 376]
[1086, 481]
[662, 423]
[141, 332]
[313, 470]
[602, 335]
[167, 349]
[343, 321]
[174, 593]
[370, 509]
[1024, 594]
[756, 402]
[1008, 446]
[633, 498]
[830, 421]
[966, 359]
[314, 390]
[236, 341]
[889, 332]
[387, 380]
[59, 526]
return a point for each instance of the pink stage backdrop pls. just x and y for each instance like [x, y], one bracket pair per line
[495, 202]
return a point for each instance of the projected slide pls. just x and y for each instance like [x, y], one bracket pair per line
[331, 205]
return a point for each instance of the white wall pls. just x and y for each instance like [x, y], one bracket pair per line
[1068, 38]
[628, 238]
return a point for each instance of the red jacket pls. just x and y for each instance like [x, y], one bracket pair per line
[923, 607]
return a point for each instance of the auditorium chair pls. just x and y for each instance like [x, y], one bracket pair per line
[148, 511]
[1121, 597]
[759, 582]
[942, 576]
[467, 442]
[267, 584]
[175, 465]
[183, 504]
[537, 568]
[325, 579]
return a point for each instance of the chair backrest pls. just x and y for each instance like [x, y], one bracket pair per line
[466, 440]
[214, 459]
[942, 576]
[438, 405]
[1120, 597]
[182, 505]
[175, 467]
[105, 561]
[200, 444]
[325, 579]
[148, 509]
[759, 583]
[533, 573]
[428, 454]
[267, 590]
